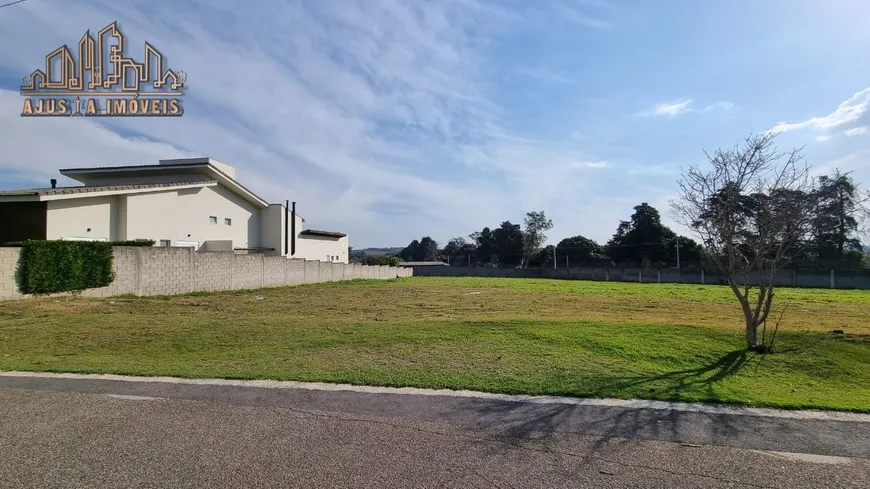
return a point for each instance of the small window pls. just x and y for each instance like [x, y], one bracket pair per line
[228, 221]
[164, 243]
[212, 219]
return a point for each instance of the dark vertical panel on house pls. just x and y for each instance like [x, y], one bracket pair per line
[293, 230]
[22, 220]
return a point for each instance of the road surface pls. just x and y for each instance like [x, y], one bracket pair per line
[85, 432]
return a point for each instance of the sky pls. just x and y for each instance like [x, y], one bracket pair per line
[396, 119]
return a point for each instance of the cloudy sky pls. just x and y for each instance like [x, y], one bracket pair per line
[393, 119]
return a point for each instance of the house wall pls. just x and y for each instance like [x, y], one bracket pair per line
[307, 247]
[183, 215]
[321, 247]
[272, 229]
[71, 218]
[121, 216]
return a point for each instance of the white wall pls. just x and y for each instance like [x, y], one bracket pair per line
[272, 228]
[321, 248]
[71, 218]
[307, 247]
[183, 215]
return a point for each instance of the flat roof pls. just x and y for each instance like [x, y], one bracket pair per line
[328, 234]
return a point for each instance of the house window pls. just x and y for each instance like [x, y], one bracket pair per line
[164, 243]
[212, 219]
[228, 221]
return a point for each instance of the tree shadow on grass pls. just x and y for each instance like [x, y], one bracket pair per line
[670, 385]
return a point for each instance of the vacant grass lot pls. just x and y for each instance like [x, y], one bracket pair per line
[655, 341]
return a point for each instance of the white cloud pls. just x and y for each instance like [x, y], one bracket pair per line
[848, 112]
[856, 131]
[856, 162]
[723, 105]
[572, 14]
[594, 164]
[355, 111]
[545, 75]
[822, 138]
[670, 109]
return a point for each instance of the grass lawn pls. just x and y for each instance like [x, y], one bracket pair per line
[532, 336]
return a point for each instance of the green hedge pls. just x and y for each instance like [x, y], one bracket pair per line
[63, 266]
[381, 260]
[133, 242]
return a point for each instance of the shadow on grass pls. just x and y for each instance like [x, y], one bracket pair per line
[669, 386]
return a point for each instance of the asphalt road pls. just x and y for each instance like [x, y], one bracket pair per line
[67, 433]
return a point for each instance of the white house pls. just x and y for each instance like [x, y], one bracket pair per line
[193, 202]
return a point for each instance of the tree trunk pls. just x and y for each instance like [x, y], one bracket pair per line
[748, 316]
[751, 333]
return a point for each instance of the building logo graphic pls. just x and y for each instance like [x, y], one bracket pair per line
[103, 81]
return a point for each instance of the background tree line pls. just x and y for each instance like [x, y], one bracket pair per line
[832, 240]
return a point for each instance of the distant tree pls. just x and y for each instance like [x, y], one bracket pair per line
[428, 249]
[542, 259]
[484, 245]
[691, 252]
[581, 251]
[411, 252]
[508, 244]
[536, 224]
[642, 240]
[352, 255]
[458, 250]
[840, 206]
[753, 210]
[424, 250]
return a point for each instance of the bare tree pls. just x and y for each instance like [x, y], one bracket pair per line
[752, 210]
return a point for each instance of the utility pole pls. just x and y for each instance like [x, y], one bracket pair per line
[566, 262]
[678, 252]
[554, 258]
[469, 260]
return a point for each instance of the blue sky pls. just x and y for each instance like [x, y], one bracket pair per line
[391, 120]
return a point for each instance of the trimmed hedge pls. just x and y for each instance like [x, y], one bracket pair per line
[64, 266]
[133, 242]
[381, 260]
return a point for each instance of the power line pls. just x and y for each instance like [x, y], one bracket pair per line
[12, 3]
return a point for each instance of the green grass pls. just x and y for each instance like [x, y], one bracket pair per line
[654, 341]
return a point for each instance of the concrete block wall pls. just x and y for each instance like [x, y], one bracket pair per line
[214, 271]
[149, 271]
[295, 272]
[9, 265]
[274, 271]
[312, 272]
